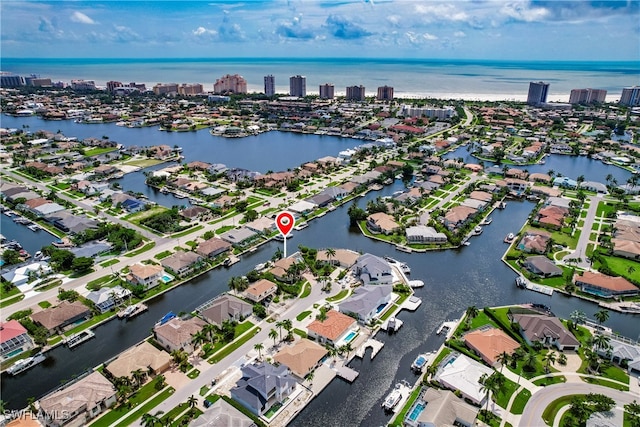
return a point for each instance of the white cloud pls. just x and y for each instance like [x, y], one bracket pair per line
[459, 34]
[521, 12]
[441, 12]
[202, 31]
[428, 36]
[81, 18]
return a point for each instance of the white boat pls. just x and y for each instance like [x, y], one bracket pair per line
[416, 283]
[420, 362]
[38, 255]
[486, 221]
[260, 267]
[301, 226]
[392, 398]
[24, 364]
[521, 282]
[477, 230]
[509, 238]
[79, 338]
[33, 227]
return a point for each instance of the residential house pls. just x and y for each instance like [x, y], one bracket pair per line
[143, 356]
[213, 247]
[262, 225]
[222, 414]
[459, 372]
[14, 339]
[489, 343]
[481, 195]
[626, 248]
[536, 242]
[516, 185]
[19, 276]
[373, 270]
[80, 401]
[565, 182]
[623, 353]
[604, 286]
[547, 330]
[182, 263]
[195, 213]
[381, 222]
[302, 357]
[106, 298]
[478, 205]
[365, 302]
[281, 267]
[424, 234]
[302, 207]
[344, 258]
[540, 177]
[177, 334]
[55, 319]
[458, 216]
[239, 236]
[321, 200]
[262, 386]
[333, 329]
[552, 216]
[225, 307]
[147, 275]
[443, 408]
[260, 290]
[542, 266]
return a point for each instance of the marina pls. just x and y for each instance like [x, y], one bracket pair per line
[77, 339]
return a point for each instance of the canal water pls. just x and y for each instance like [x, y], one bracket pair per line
[455, 279]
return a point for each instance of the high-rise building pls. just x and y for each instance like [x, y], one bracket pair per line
[269, 85]
[385, 93]
[165, 88]
[38, 81]
[298, 86]
[190, 89]
[355, 93]
[537, 93]
[83, 85]
[630, 96]
[10, 80]
[326, 91]
[230, 84]
[587, 96]
[112, 85]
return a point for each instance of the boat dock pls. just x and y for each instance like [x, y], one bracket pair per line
[392, 324]
[527, 284]
[405, 391]
[347, 373]
[447, 327]
[375, 345]
[79, 338]
[129, 312]
[412, 303]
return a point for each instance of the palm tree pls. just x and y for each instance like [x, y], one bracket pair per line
[530, 359]
[259, 347]
[592, 359]
[199, 338]
[633, 410]
[287, 324]
[602, 315]
[209, 330]
[578, 317]
[279, 325]
[192, 401]
[601, 342]
[138, 376]
[503, 358]
[330, 252]
[487, 386]
[273, 334]
[549, 359]
[471, 312]
[149, 420]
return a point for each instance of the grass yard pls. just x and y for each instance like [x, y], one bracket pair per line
[300, 317]
[605, 383]
[504, 394]
[520, 402]
[143, 163]
[551, 411]
[110, 262]
[340, 295]
[145, 248]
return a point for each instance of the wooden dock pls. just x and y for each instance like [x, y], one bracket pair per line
[347, 373]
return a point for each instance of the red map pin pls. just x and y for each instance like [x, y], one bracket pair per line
[285, 222]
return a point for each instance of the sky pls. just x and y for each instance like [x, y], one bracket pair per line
[453, 29]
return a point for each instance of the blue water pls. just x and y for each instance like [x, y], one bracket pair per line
[349, 337]
[423, 77]
[417, 410]
[381, 307]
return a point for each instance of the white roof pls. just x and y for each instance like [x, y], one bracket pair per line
[464, 374]
[302, 206]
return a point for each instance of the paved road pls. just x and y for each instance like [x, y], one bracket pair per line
[581, 248]
[532, 415]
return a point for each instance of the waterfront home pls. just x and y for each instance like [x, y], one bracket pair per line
[225, 307]
[302, 207]
[80, 401]
[458, 216]
[302, 357]
[182, 263]
[604, 286]
[333, 329]
[540, 177]
[14, 339]
[489, 343]
[177, 334]
[559, 202]
[366, 302]
[260, 290]
[381, 222]
[143, 356]
[547, 330]
[542, 266]
[19, 276]
[26, 419]
[373, 270]
[281, 267]
[459, 372]
[622, 353]
[478, 205]
[344, 258]
[262, 225]
[55, 319]
[133, 205]
[552, 216]
[536, 242]
[222, 414]
[147, 275]
[626, 248]
[424, 234]
[262, 386]
[565, 182]
[70, 223]
[106, 298]
[481, 195]
[196, 213]
[596, 187]
[321, 200]
[443, 408]
[213, 247]
[239, 236]
[517, 186]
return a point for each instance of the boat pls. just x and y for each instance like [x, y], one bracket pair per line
[403, 249]
[301, 226]
[132, 311]
[521, 282]
[466, 243]
[420, 362]
[404, 267]
[502, 205]
[260, 267]
[33, 227]
[280, 237]
[416, 283]
[393, 398]
[38, 255]
[486, 221]
[509, 238]
[79, 338]
[170, 315]
[331, 208]
[24, 364]
[477, 231]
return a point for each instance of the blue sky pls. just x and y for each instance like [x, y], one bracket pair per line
[473, 29]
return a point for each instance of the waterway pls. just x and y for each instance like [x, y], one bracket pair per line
[455, 279]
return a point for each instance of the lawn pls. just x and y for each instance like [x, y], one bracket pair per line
[623, 267]
[188, 231]
[300, 317]
[162, 254]
[11, 300]
[605, 383]
[230, 348]
[398, 420]
[145, 248]
[340, 295]
[143, 163]
[505, 393]
[306, 290]
[134, 411]
[550, 380]
[110, 262]
[520, 402]
[99, 150]
[551, 411]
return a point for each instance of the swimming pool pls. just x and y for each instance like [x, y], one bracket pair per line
[350, 336]
[166, 278]
[416, 411]
[381, 307]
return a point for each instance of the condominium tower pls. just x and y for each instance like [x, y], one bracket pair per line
[587, 96]
[537, 93]
[326, 91]
[230, 84]
[630, 96]
[355, 93]
[385, 93]
[269, 85]
[298, 86]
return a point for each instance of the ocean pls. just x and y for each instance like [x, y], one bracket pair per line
[410, 78]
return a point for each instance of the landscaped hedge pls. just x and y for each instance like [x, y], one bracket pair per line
[505, 327]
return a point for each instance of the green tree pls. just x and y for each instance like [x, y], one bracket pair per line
[250, 215]
[601, 341]
[602, 315]
[10, 256]
[273, 334]
[356, 214]
[633, 411]
[81, 264]
[259, 347]
[471, 313]
[549, 359]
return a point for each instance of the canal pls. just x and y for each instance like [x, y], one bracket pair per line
[455, 279]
